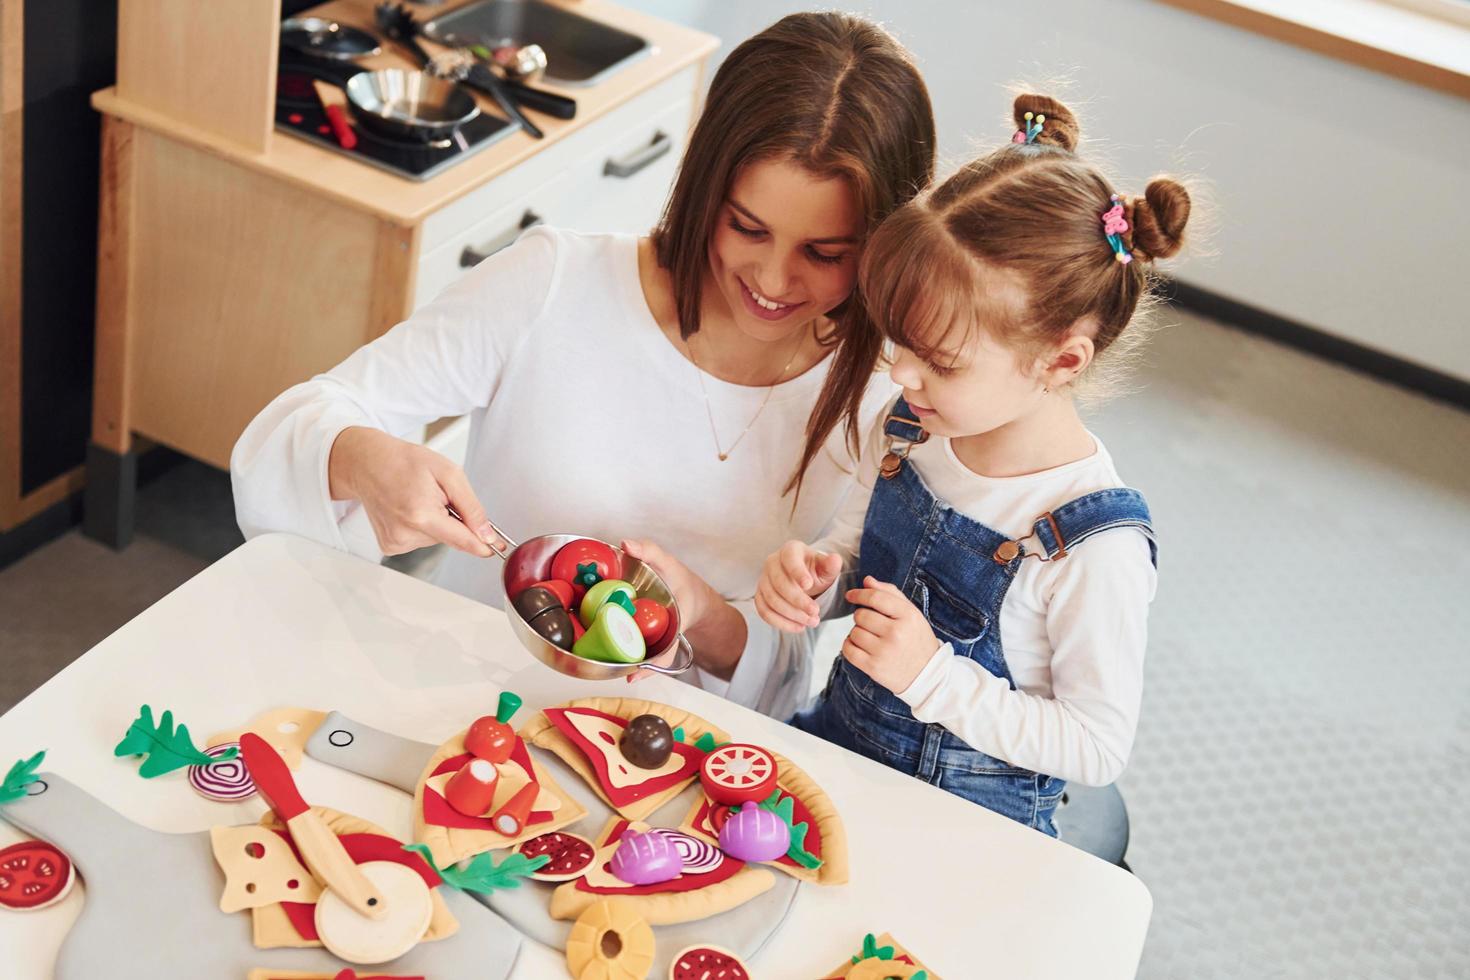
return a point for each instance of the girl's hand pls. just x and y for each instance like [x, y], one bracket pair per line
[692, 593]
[407, 490]
[890, 641]
[790, 581]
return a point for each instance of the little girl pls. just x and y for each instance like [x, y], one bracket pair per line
[1006, 571]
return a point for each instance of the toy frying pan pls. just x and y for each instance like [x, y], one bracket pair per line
[530, 562]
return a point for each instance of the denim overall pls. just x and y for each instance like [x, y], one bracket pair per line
[956, 571]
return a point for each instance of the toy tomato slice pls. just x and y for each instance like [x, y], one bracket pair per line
[33, 875]
[738, 773]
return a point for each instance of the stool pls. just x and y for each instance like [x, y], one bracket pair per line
[1094, 819]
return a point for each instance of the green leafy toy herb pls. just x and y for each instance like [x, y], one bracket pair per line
[871, 950]
[21, 775]
[167, 748]
[481, 873]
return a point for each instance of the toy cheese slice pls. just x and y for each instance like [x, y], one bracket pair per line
[452, 836]
[586, 733]
[687, 898]
[825, 843]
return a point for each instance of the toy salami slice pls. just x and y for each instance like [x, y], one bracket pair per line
[34, 875]
[570, 855]
[706, 962]
[586, 733]
[824, 840]
[683, 899]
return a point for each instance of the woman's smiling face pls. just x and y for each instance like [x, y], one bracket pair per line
[785, 247]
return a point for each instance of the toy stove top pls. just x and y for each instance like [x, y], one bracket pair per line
[299, 113]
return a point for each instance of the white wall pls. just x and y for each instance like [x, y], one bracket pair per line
[1342, 195]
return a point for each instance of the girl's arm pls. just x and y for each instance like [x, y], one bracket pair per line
[1097, 622]
[445, 360]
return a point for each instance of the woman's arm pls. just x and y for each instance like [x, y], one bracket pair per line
[332, 445]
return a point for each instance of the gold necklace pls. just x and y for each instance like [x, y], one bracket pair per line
[709, 411]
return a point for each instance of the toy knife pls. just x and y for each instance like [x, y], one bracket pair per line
[323, 853]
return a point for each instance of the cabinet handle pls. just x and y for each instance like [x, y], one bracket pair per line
[639, 158]
[472, 257]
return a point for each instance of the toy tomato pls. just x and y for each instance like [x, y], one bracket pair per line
[653, 621]
[491, 738]
[584, 563]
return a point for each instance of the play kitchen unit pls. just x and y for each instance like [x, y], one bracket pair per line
[276, 195]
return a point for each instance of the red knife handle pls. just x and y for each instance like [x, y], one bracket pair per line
[272, 779]
[346, 138]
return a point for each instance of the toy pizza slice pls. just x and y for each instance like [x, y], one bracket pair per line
[452, 836]
[879, 959]
[687, 898]
[293, 924]
[586, 734]
[820, 856]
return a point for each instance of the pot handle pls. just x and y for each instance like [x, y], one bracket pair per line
[683, 660]
[509, 541]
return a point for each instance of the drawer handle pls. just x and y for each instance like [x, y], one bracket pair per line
[472, 257]
[639, 158]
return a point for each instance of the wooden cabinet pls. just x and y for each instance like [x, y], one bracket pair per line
[235, 261]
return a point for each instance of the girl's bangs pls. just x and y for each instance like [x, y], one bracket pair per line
[919, 292]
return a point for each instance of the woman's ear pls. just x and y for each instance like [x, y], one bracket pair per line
[1068, 359]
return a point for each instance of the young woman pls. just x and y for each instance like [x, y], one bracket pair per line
[703, 387]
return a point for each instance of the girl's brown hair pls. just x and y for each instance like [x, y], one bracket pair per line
[839, 96]
[1034, 213]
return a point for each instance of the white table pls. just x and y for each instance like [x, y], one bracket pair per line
[283, 621]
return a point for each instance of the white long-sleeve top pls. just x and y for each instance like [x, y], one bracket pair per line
[1073, 631]
[584, 419]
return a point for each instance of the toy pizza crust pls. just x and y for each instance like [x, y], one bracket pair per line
[577, 730]
[451, 836]
[687, 898]
[902, 964]
[826, 838]
[276, 925]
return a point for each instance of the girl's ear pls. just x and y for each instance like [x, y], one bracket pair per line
[1068, 360]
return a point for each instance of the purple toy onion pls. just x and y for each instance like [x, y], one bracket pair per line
[755, 835]
[699, 855]
[646, 859]
[228, 781]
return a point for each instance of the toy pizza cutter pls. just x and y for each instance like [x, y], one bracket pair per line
[370, 913]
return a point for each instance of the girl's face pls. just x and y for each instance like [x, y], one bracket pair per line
[785, 248]
[978, 388]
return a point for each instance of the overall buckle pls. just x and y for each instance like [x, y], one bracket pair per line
[1007, 551]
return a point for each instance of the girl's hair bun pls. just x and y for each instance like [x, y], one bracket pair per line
[1061, 127]
[1159, 218]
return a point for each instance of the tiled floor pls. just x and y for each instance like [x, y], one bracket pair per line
[1304, 754]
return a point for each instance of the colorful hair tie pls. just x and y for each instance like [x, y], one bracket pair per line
[1032, 130]
[1114, 225]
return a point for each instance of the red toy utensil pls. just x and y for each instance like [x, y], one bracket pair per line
[324, 855]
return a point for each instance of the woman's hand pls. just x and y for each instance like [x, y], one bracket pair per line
[713, 627]
[407, 490]
[790, 582]
[890, 641]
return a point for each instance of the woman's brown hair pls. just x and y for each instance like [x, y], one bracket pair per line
[840, 97]
[1032, 211]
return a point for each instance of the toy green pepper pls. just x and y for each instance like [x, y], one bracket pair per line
[608, 590]
[612, 638]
